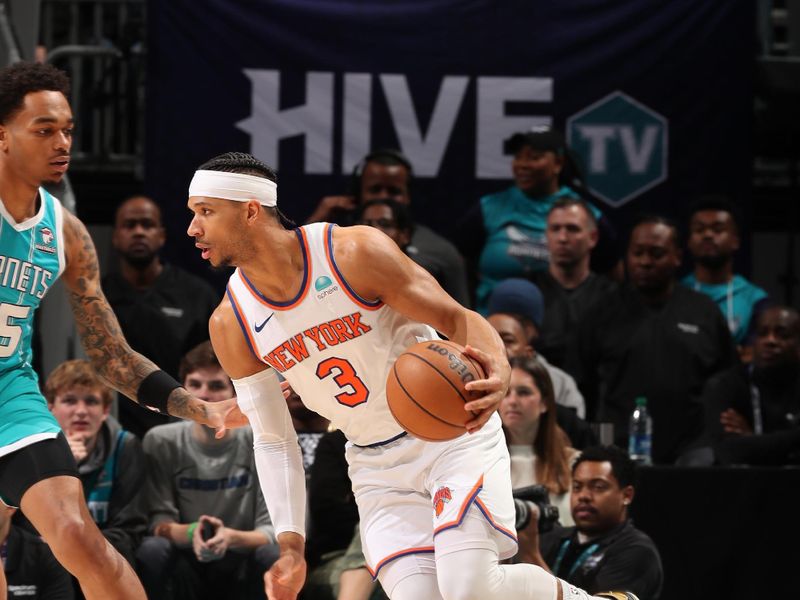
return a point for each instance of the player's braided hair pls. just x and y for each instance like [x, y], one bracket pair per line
[247, 164]
[23, 78]
[240, 162]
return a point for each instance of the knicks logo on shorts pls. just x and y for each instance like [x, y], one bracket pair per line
[440, 498]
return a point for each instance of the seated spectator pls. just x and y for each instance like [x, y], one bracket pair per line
[713, 241]
[539, 449]
[310, 427]
[110, 460]
[162, 310]
[505, 232]
[337, 568]
[753, 412]
[604, 550]
[387, 174]
[391, 217]
[212, 535]
[568, 286]
[31, 570]
[652, 338]
[515, 311]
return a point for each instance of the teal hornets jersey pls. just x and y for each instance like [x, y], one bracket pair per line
[31, 259]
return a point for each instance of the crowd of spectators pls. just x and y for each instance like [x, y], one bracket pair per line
[591, 319]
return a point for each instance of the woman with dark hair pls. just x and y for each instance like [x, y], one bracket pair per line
[539, 448]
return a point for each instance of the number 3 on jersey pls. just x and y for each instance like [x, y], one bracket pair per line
[344, 375]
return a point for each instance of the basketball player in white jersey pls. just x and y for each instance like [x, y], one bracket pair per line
[331, 309]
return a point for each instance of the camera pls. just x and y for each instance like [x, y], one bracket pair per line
[538, 495]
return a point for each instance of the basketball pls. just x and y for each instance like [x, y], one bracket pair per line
[425, 389]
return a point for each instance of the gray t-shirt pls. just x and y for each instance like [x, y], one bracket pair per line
[187, 479]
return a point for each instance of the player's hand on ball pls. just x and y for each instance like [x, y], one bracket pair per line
[494, 387]
[286, 577]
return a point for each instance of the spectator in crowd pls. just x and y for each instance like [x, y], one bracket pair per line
[336, 563]
[505, 232]
[568, 286]
[604, 550]
[394, 220]
[653, 338]
[212, 535]
[32, 572]
[391, 217]
[387, 174]
[162, 309]
[516, 311]
[713, 241]
[539, 448]
[310, 427]
[110, 460]
[753, 412]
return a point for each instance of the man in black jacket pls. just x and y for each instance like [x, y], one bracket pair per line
[604, 550]
[753, 412]
[652, 338]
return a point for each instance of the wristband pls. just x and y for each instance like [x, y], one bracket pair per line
[190, 531]
[154, 391]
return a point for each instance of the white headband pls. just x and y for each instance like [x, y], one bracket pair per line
[234, 186]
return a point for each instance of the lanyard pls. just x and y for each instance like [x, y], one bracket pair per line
[578, 562]
[728, 304]
[755, 401]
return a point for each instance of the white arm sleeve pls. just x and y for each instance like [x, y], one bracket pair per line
[277, 452]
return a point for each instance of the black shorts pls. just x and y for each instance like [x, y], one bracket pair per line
[31, 464]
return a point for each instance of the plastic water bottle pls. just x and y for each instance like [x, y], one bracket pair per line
[640, 433]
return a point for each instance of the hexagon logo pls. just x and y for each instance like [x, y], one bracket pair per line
[623, 144]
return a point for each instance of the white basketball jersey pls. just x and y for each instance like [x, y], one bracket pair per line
[334, 347]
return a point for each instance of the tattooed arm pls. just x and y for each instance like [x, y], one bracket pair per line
[111, 356]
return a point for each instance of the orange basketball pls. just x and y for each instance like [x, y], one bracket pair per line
[425, 389]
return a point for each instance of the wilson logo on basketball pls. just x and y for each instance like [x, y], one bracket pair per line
[456, 364]
[440, 498]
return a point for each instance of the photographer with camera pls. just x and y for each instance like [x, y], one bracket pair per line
[604, 550]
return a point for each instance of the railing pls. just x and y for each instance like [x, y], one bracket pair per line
[99, 43]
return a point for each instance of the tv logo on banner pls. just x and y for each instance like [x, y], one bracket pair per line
[623, 144]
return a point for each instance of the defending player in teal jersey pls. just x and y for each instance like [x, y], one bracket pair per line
[40, 241]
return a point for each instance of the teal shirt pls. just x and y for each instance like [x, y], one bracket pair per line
[736, 299]
[516, 245]
[31, 259]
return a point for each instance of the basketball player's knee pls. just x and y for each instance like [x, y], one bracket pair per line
[459, 583]
[78, 539]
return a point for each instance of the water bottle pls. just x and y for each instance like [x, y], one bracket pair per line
[640, 433]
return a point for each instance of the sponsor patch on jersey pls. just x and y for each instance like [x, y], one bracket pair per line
[46, 238]
[442, 496]
[322, 282]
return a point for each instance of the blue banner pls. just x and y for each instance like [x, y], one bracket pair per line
[655, 96]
